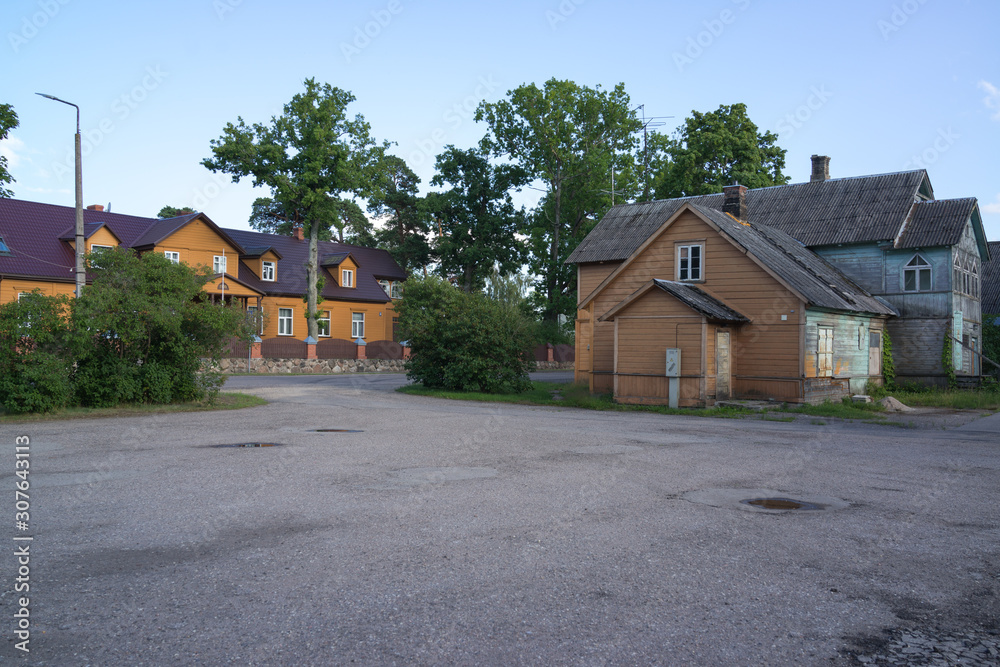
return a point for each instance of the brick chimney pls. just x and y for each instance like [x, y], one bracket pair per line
[735, 203]
[821, 168]
[297, 233]
[95, 207]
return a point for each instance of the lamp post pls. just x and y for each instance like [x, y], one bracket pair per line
[81, 272]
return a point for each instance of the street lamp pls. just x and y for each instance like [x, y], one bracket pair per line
[81, 272]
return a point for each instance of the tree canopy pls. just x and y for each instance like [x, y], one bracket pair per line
[310, 157]
[396, 198]
[715, 149]
[173, 212]
[8, 121]
[570, 138]
[477, 218]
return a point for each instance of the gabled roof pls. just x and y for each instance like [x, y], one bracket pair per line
[842, 210]
[990, 281]
[690, 295]
[252, 252]
[291, 275]
[788, 261]
[89, 229]
[335, 259]
[938, 222]
[31, 231]
[162, 229]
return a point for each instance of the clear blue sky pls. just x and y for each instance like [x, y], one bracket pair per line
[879, 85]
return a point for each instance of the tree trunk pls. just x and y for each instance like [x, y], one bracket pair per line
[312, 274]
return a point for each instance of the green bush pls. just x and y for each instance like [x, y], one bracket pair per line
[35, 363]
[464, 342]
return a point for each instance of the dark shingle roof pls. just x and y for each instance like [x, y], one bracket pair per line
[32, 230]
[701, 302]
[821, 284]
[843, 210]
[990, 281]
[333, 259]
[257, 251]
[938, 222]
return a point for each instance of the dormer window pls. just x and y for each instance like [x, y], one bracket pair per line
[917, 275]
[384, 284]
[267, 271]
[347, 278]
[397, 290]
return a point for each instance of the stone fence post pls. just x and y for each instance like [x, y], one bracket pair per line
[310, 348]
[360, 342]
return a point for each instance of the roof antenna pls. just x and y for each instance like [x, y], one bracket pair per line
[108, 209]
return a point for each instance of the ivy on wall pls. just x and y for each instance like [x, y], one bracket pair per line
[947, 361]
[888, 365]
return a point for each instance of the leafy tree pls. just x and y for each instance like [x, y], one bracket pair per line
[173, 212]
[355, 227]
[571, 138]
[8, 121]
[715, 149]
[35, 361]
[142, 329]
[462, 341]
[477, 218]
[407, 226]
[309, 157]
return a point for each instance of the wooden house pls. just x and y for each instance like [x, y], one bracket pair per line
[815, 270]
[256, 271]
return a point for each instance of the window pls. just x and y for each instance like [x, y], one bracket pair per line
[4, 248]
[689, 262]
[255, 314]
[397, 290]
[324, 323]
[347, 278]
[824, 352]
[917, 275]
[357, 325]
[219, 264]
[965, 276]
[284, 321]
[95, 252]
[267, 271]
[384, 284]
[174, 257]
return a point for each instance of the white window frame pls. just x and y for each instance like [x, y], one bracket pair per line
[347, 278]
[357, 326]
[396, 290]
[386, 286]
[217, 262]
[173, 256]
[319, 323]
[917, 270]
[690, 273]
[286, 319]
[95, 251]
[267, 271]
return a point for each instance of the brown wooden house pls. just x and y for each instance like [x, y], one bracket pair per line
[752, 312]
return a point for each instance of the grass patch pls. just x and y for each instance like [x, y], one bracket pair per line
[573, 396]
[225, 401]
[841, 410]
[773, 418]
[955, 399]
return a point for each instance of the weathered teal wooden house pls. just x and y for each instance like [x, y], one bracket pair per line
[885, 234]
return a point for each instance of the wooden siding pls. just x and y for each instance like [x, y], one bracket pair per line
[11, 287]
[916, 347]
[378, 318]
[863, 264]
[256, 264]
[850, 343]
[767, 345]
[654, 390]
[788, 389]
[197, 244]
[102, 237]
[589, 276]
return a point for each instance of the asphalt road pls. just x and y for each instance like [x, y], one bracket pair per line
[465, 533]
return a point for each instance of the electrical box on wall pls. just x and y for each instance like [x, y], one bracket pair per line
[673, 362]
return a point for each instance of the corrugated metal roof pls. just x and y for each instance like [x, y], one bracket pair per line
[842, 210]
[938, 222]
[706, 304]
[990, 281]
[821, 284]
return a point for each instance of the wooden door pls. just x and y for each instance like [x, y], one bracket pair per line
[722, 366]
[874, 353]
[824, 352]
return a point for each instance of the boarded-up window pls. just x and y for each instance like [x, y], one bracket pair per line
[824, 352]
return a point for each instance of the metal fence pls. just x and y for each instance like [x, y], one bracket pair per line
[336, 348]
[283, 348]
[384, 349]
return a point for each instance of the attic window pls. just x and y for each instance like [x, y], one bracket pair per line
[917, 275]
[4, 249]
